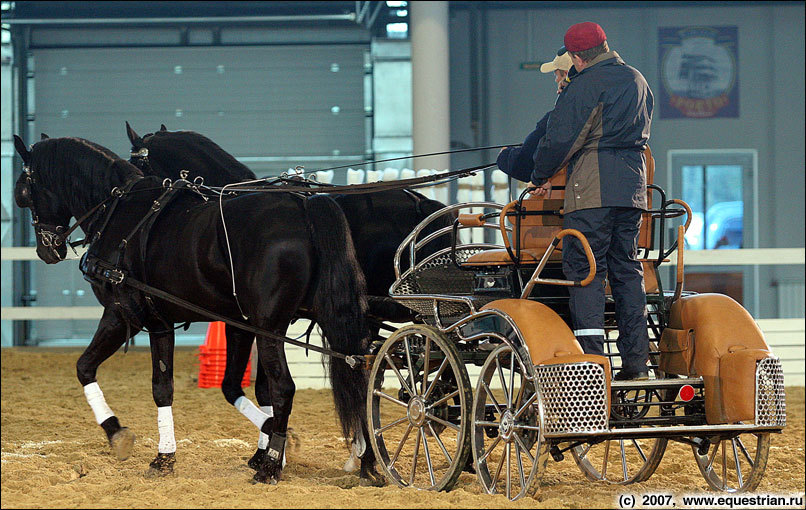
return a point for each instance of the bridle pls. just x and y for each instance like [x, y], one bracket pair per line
[52, 236]
[139, 158]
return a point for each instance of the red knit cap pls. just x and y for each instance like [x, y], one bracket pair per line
[584, 36]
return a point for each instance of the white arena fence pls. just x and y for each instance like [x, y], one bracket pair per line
[785, 335]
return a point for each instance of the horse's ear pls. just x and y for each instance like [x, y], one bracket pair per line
[136, 141]
[44, 137]
[163, 128]
[22, 150]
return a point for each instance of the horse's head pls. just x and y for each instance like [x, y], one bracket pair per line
[50, 216]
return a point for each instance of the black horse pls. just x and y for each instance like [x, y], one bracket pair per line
[300, 257]
[378, 223]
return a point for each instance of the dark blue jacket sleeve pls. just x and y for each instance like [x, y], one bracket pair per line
[517, 162]
[565, 124]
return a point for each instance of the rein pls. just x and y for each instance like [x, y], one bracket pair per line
[370, 187]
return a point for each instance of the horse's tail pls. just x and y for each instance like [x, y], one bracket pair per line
[340, 307]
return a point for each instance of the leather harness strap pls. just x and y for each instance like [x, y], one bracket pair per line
[116, 276]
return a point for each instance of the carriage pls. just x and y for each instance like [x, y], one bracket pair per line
[493, 381]
[496, 312]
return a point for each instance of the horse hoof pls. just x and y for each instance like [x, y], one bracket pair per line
[122, 443]
[370, 482]
[371, 478]
[162, 465]
[268, 472]
[257, 459]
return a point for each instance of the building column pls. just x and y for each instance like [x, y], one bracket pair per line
[430, 77]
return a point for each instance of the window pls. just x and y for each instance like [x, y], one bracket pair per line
[720, 187]
[715, 195]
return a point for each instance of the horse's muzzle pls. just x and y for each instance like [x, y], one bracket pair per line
[50, 252]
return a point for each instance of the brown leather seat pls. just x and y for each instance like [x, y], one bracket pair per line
[533, 233]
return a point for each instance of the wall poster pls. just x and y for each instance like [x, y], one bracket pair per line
[698, 72]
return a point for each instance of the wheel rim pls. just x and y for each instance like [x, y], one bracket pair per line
[735, 464]
[509, 452]
[620, 461]
[419, 409]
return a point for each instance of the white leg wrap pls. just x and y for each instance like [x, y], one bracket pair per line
[95, 398]
[165, 423]
[263, 439]
[250, 410]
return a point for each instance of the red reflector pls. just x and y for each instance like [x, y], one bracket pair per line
[686, 393]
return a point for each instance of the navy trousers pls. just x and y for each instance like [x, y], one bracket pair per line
[613, 236]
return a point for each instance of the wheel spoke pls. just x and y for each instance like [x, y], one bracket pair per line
[408, 360]
[426, 361]
[640, 450]
[736, 460]
[397, 373]
[486, 424]
[498, 470]
[511, 379]
[387, 427]
[606, 455]
[518, 401]
[436, 378]
[525, 406]
[492, 397]
[443, 422]
[400, 446]
[586, 450]
[745, 452]
[509, 471]
[389, 398]
[414, 459]
[428, 457]
[443, 399]
[520, 461]
[503, 382]
[490, 450]
[724, 466]
[623, 459]
[524, 448]
[711, 458]
[439, 442]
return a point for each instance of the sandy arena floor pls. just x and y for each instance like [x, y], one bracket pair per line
[55, 456]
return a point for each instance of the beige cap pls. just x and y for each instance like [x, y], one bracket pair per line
[562, 62]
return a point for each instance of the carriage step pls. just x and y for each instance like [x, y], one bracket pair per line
[656, 384]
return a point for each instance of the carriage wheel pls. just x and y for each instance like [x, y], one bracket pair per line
[509, 452]
[419, 405]
[624, 461]
[620, 461]
[735, 464]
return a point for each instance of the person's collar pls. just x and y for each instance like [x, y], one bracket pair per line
[601, 58]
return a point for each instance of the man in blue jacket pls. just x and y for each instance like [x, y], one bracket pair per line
[599, 128]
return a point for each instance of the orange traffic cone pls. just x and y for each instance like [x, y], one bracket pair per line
[213, 358]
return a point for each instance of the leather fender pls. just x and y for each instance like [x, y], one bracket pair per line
[544, 332]
[721, 327]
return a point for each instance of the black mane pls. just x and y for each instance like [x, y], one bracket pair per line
[194, 152]
[87, 170]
